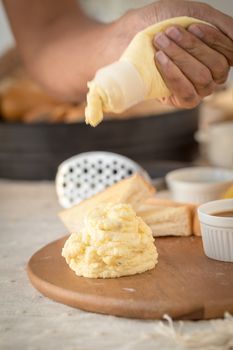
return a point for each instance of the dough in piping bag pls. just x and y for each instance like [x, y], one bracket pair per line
[131, 79]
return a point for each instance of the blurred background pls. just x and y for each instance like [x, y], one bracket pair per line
[37, 132]
[7, 39]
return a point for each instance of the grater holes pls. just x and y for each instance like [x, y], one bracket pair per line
[88, 176]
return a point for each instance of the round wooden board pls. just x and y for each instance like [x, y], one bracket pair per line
[185, 284]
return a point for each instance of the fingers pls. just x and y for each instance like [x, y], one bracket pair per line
[215, 39]
[195, 71]
[183, 92]
[211, 58]
[209, 14]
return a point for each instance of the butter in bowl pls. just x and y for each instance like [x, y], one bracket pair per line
[199, 184]
[216, 220]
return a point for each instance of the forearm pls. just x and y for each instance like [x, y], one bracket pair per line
[68, 57]
[34, 21]
[44, 31]
[57, 42]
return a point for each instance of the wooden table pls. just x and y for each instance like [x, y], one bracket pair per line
[28, 220]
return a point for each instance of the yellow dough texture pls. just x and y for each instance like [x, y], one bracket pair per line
[140, 53]
[114, 242]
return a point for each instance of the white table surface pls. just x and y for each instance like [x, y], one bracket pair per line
[28, 220]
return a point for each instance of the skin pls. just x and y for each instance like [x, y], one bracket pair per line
[62, 48]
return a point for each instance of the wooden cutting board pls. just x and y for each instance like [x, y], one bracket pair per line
[185, 284]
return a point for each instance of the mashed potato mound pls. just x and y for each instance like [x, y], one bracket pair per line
[114, 242]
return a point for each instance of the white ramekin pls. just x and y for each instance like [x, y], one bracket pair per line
[199, 184]
[217, 232]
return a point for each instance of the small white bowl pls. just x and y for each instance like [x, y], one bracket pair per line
[199, 184]
[217, 232]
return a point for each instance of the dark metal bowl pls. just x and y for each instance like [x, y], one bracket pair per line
[33, 152]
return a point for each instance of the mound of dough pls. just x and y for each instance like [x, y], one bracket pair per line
[140, 53]
[114, 242]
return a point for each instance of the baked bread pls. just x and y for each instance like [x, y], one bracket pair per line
[166, 219]
[133, 190]
[21, 97]
[196, 230]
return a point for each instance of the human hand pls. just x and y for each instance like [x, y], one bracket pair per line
[62, 48]
[191, 68]
[192, 62]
